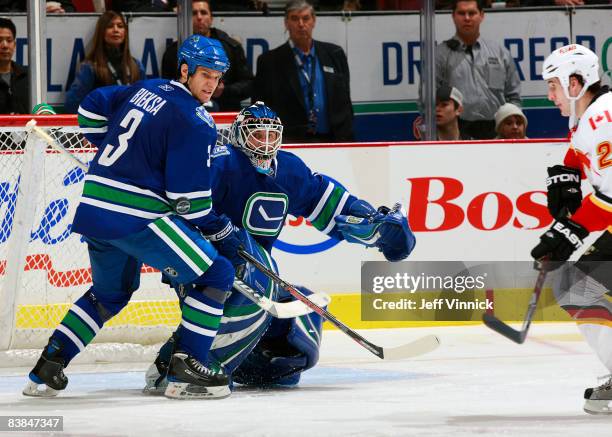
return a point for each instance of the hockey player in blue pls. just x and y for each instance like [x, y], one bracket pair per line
[147, 197]
[257, 185]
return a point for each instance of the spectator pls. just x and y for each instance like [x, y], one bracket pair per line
[449, 106]
[306, 82]
[237, 83]
[483, 69]
[108, 62]
[14, 84]
[53, 7]
[510, 122]
[144, 5]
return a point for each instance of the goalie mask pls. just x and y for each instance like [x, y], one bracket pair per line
[257, 132]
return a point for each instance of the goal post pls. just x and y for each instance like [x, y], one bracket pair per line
[43, 266]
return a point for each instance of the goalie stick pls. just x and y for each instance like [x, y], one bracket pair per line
[415, 348]
[280, 310]
[506, 330]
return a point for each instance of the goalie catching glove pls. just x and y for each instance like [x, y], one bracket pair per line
[384, 228]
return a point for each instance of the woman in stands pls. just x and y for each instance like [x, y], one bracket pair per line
[108, 62]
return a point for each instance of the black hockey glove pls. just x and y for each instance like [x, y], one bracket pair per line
[563, 184]
[559, 242]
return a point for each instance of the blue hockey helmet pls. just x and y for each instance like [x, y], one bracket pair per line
[199, 51]
[258, 132]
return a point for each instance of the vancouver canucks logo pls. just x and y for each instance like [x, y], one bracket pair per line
[264, 213]
[166, 87]
[203, 114]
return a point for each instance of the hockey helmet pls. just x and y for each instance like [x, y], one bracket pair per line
[257, 131]
[572, 59]
[199, 51]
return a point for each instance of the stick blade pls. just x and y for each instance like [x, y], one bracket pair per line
[502, 328]
[413, 349]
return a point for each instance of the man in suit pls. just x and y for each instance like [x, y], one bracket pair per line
[306, 82]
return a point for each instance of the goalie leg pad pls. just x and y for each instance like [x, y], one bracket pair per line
[289, 347]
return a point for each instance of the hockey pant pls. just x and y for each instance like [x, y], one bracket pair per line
[583, 289]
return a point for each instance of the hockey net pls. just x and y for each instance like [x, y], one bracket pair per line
[43, 266]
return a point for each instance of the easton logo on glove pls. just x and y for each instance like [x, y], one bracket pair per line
[574, 239]
[560, 241]
[564, 193]
[567, 177]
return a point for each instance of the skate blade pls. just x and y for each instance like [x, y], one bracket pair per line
[33, 389]
[151, 390]
[598, 406]
[185, 390]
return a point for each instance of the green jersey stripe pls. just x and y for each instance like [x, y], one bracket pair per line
[327, 213]
[182, 245]
[89, 122]
[109, 194]
[200, 204]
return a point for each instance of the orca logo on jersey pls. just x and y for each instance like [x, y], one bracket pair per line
[264, 213]
[565, 177]
[203, 114]
[182, 205]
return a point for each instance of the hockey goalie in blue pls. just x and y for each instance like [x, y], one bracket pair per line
[147, 198]
[257, 185]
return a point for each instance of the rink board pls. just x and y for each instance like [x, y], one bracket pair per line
[459, 207]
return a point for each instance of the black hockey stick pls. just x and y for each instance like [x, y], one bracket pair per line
[506, 330]
[412, 349]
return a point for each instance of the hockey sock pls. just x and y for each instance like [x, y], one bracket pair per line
[78, 327]
[84, 320]
[201, 315]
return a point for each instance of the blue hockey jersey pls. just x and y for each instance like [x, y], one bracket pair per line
[154, 141]
[260, 203]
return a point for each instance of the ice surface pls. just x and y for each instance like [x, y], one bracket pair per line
[476, 383]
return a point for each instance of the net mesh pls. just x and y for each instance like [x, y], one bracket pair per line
[57, 271]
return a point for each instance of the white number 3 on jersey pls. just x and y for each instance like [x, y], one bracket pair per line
[131, 121]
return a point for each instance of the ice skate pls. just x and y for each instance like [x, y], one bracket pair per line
[598, 400]
[190, 379]
[47, 377]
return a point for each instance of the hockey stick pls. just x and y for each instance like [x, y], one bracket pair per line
[409, 350]
[280, 310]
[506, 330]
[31, 125]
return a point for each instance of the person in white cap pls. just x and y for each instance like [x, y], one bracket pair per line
[583, 288]
[510, 122]
[449, 106]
